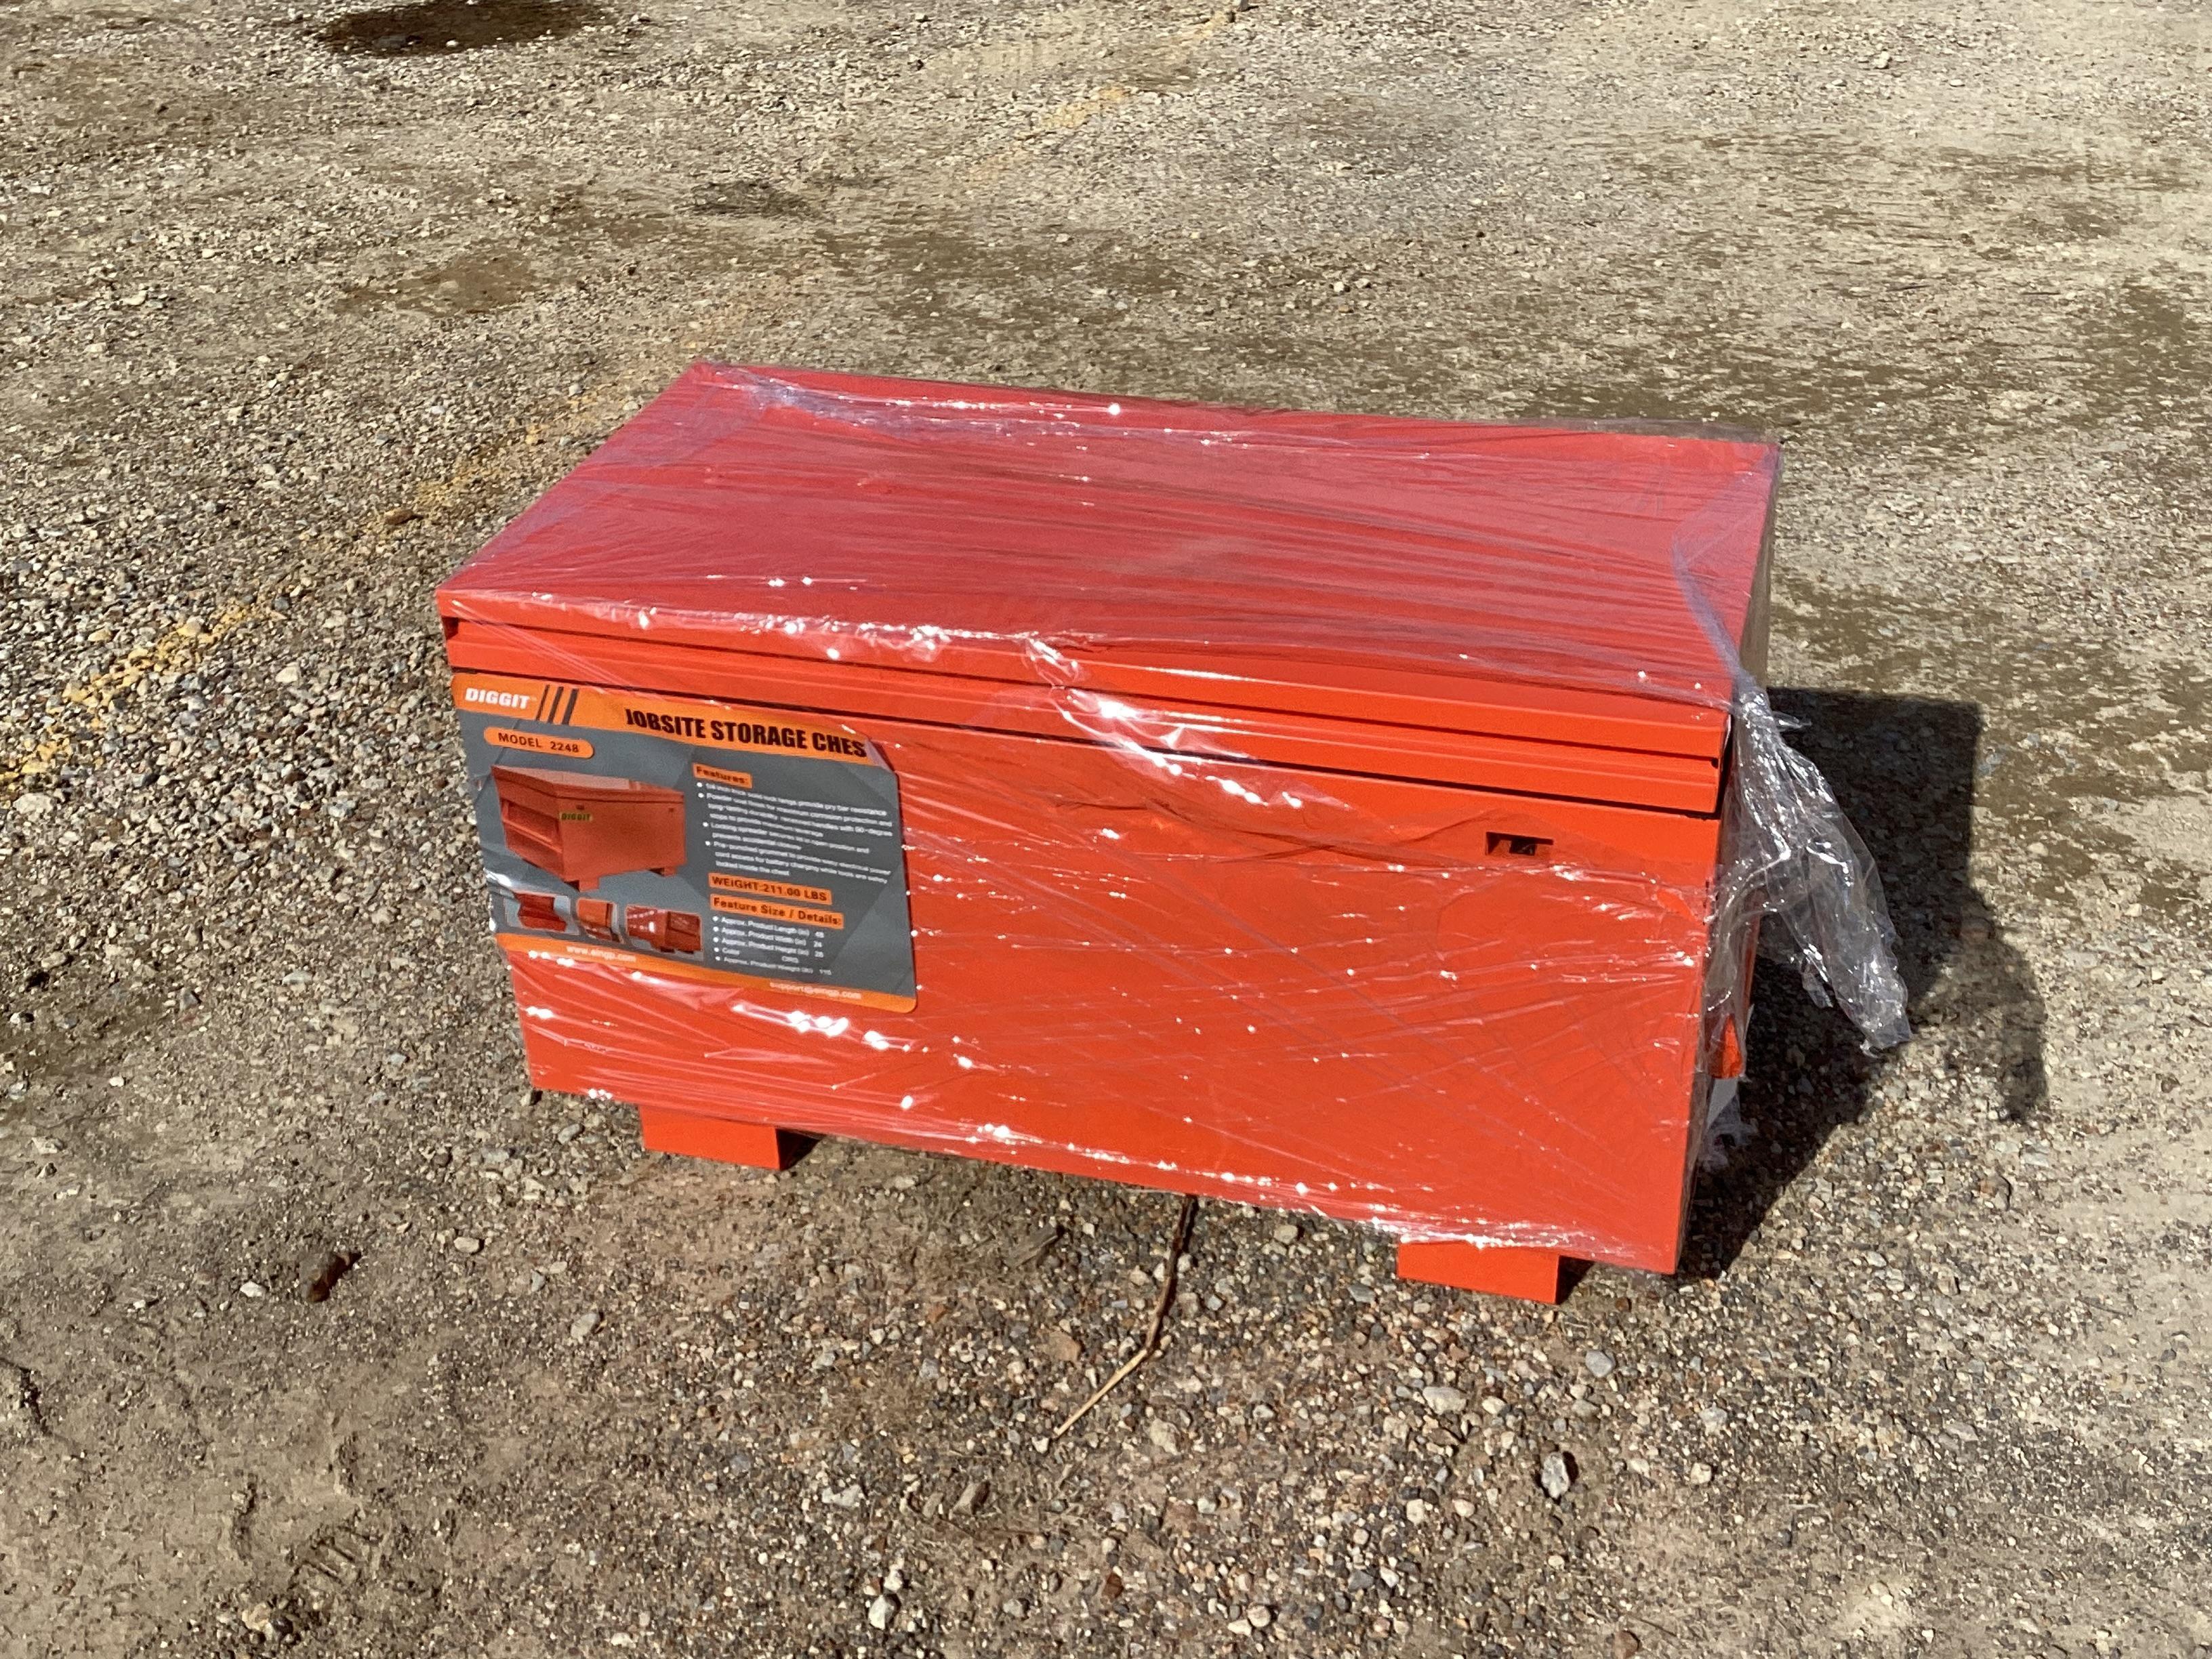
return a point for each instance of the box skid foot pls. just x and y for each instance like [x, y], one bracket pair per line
[693, 1134]
[1512, 1270]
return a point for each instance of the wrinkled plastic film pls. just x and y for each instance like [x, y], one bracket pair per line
[1793, 861]
[930, 528]
[1799, 864]
[1365, 817]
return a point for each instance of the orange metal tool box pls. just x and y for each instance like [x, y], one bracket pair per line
[664, 930]
[580, 828]
[538, 911]
[1327, 813]
[597, 918]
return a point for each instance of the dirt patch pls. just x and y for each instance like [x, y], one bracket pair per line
[432, 28]
[469, 286]
[750, 198]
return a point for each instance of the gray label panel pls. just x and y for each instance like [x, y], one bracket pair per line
[777, 864]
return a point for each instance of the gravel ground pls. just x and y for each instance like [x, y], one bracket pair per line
[319, 1331]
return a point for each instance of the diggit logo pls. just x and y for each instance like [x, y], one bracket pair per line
[477, 694]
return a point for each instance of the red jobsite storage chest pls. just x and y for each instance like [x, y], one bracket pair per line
[664, 930]
[1325, 812]
[537, 910]
[580, 828]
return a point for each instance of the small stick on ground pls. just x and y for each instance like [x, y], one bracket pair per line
[1152, 1342]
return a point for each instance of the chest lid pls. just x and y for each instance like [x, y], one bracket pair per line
[1574, 596]
[565, 785]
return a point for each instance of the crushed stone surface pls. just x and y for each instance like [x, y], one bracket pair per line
[321, 1332]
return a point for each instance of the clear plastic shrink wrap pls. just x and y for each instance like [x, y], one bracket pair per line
[1361, 815]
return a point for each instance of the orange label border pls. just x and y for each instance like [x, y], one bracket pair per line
[706, 722]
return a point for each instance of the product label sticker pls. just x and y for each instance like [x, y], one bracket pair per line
[709, 840]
